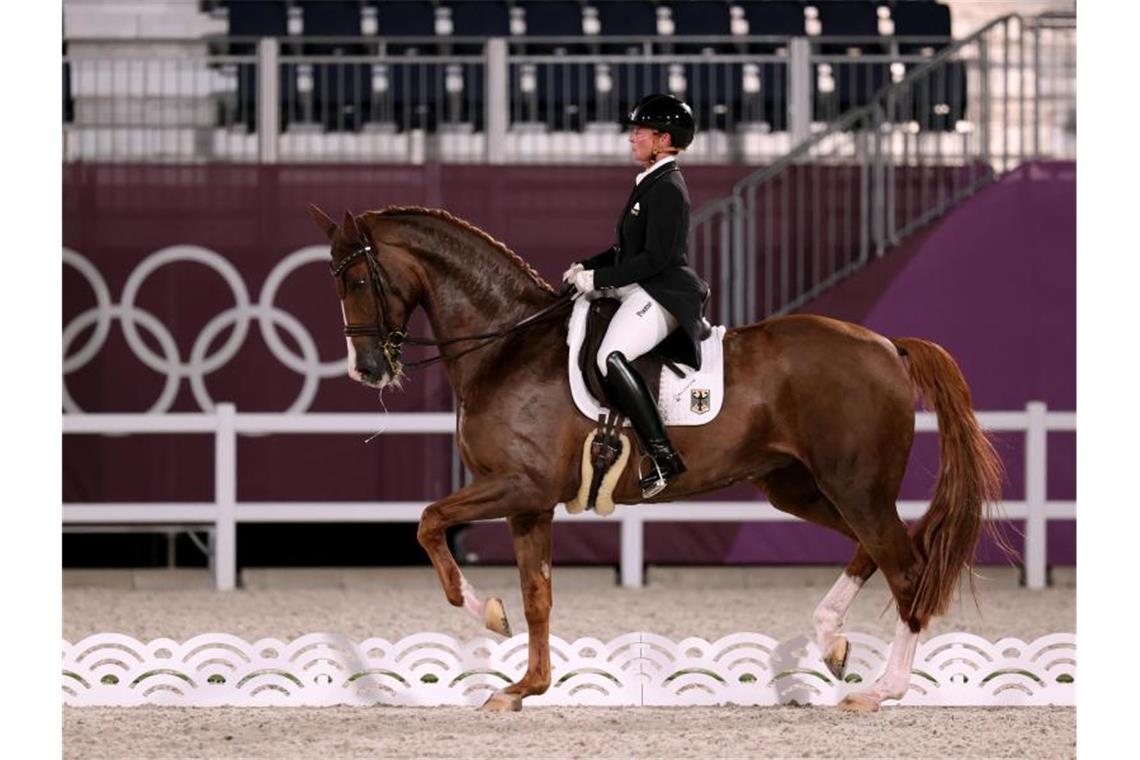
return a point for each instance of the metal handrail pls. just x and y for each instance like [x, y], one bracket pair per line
[868, 139]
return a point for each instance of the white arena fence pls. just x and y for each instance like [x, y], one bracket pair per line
[224, 513]
[635, 669]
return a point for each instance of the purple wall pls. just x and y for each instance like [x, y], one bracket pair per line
[951, 283]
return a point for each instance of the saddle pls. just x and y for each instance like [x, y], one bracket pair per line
[649, 366]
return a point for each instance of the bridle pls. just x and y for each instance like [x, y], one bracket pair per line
[394, 339]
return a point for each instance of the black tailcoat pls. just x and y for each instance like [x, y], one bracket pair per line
[652, 236]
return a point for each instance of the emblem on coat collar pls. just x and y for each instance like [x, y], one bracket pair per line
[699, 400]
[636, 208]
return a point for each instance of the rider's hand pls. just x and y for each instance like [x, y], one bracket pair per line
[584, 281]
[568, 275]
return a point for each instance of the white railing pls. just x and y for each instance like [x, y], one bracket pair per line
[225, 512]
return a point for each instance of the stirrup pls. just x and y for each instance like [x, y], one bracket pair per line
[654, 488]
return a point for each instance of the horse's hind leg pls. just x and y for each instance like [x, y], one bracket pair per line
[792, 489]
[482, 500]
[534, 546]
[875, 521]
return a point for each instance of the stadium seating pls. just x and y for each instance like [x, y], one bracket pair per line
[480, 18]
[713, 90]
[938, 102]
[339, 91]
[401, 90]
[924, 18]
[855, 81]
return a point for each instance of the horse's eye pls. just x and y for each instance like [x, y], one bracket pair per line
[357, 284]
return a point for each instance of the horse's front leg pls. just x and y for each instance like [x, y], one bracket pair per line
[485, 499]
[534, 545]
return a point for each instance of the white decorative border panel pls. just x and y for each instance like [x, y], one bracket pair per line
[322, 669]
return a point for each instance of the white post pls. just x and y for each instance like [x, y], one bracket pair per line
[632, 549]
[1035, 482]
[799, 89]
[225, 498]
[496, 104]
[268, 98]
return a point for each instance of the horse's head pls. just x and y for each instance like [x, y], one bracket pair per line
[376, 296]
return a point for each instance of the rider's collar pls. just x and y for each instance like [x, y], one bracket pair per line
[657, 165]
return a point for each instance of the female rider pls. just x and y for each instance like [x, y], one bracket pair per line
[647, 270]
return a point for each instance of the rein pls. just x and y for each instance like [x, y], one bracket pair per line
[393, 340]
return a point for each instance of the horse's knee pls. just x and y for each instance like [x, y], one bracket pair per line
[429, 531]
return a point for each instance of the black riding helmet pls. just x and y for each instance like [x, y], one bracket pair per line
[665, 113]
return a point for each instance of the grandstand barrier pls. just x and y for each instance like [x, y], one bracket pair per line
[225, 512]
[416, 99]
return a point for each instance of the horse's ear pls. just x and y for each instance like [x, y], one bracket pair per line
[322, 220]
[349, 228]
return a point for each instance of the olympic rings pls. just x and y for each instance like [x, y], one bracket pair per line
[198, 364]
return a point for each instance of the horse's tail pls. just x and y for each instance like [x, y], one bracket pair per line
[969, 478]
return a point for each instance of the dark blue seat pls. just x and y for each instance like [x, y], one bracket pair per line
[407, 92]
[855, 81]
[712, 89]
[480, 18]
[563, 93]
[407, 18]
[552, 18]
[938, 100]
[256, 18]
[770, 18]
[700, 18]
[773, 18]
[618, 18]
[851, 18]
[921, 18]
[340, 91]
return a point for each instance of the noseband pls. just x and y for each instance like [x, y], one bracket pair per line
[392, 339]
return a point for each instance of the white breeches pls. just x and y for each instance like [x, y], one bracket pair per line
[639, 325]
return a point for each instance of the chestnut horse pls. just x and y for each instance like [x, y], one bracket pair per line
[818, 413]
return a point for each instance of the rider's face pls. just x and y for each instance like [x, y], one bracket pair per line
[641, 141]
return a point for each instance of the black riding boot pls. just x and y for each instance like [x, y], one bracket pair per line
[626, 390]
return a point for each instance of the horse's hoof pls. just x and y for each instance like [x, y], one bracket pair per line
[836, 657]
[502, 702]
[495, 617]
[867, 703]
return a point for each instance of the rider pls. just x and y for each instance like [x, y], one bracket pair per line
[647, 271]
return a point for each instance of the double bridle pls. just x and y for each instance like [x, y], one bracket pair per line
[394, 339]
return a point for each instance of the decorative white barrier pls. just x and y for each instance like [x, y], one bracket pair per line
[225, 512]
[428, 669]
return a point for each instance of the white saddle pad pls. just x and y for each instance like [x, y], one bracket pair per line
[693, 399]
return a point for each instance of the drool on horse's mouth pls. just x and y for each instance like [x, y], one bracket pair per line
[387, 379]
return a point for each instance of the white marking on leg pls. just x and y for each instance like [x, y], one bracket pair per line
[471, 601]
[351, 350]
[896, 679]
[831, 612]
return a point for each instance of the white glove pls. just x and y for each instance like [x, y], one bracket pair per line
[584, 281]
[575, 268]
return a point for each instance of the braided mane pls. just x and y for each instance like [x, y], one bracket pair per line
[455, 221]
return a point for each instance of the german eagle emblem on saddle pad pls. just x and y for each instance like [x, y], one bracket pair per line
[693, 398]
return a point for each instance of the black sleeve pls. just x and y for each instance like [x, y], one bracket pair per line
[665, 233]
[603, 259]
